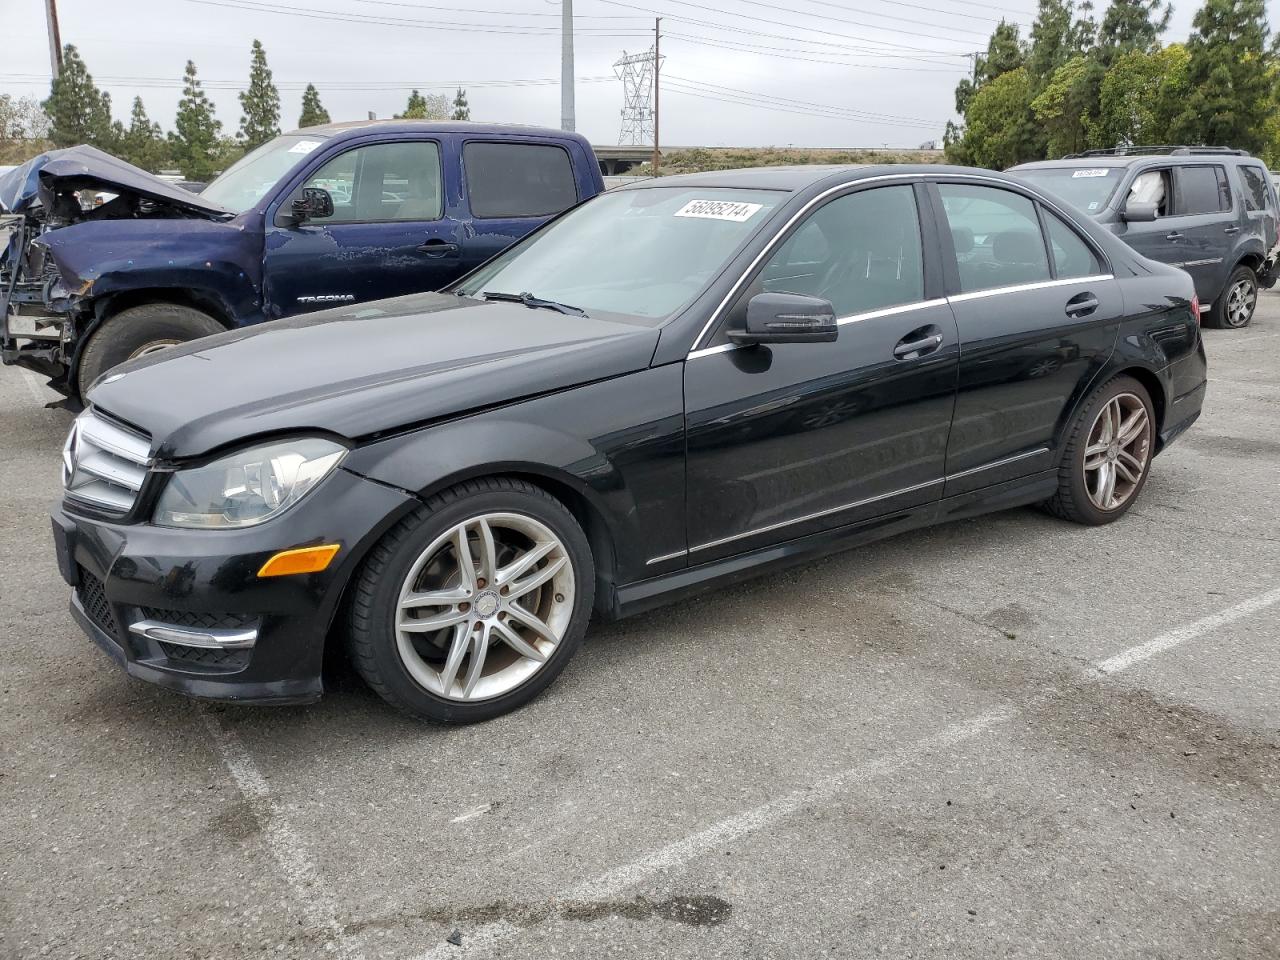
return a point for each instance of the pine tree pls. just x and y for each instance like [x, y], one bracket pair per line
[260, 103]
[461, 110]
[1230, 91]
[313, 113]
[78, 111]
[1057, 35]
[1005, 52]
[1131, 25]
[142, 144]
[1067, 108]
[195, 140]
[416, 108]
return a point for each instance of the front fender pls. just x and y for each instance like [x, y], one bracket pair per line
[616, 445]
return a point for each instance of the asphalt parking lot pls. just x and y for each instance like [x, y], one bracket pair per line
[1008, 736]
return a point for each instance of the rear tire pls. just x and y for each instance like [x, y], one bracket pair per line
[1234, 308]
[1103, 469]
[457, 642]
[137, 331]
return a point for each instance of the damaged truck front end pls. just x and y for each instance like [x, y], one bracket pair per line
[51, 293]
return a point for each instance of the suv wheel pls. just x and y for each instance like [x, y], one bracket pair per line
[1235, 307]
[473, 604]
[1108, 455]
[138, 331]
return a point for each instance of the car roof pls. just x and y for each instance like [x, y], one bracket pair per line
[799, 177]
[350, 128]
[1128, 160]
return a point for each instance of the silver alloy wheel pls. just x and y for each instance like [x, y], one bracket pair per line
[1240, 302]
[484, 606]
[154, 346]
[1118, 451]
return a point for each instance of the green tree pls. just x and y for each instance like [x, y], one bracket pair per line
[78, 111]
[1000, 127]
[142, 144]
[1229, 98]
[1141, 95]
[313, 113]
[1131, 25]
[1005, 52]
[1055, 39]
[260, 103]
[434, 106]
[461, 109]
[1067, 107]
[194, 142]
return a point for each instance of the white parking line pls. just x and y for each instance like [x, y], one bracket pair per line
[1127, 658]
[676, 854]
[286, 846]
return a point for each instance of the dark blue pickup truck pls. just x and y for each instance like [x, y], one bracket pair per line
[326, 215]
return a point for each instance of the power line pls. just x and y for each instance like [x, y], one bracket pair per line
[356, 85]
[782, 53]
[796, 112]
[720, 88]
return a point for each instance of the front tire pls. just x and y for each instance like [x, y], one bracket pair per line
[473, 604]
[1108, 455]
[138, 331]
[1239, 299]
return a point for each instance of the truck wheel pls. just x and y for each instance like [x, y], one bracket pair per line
[138, 331]
[1235, 307]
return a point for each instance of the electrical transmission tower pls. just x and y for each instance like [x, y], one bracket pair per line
[635, 70]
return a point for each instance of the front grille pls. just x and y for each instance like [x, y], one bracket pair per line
[204, 656]
[205, 621]
[93, 598]
[104, 464]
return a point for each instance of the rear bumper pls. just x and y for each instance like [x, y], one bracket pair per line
[195, 589]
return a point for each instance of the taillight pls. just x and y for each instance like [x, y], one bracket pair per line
[1195, 307]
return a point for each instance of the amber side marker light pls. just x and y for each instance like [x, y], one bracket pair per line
[303, 560]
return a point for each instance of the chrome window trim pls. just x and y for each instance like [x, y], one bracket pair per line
[1024, 287]
[910, 177]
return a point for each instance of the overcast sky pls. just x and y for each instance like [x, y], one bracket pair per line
[834, 72]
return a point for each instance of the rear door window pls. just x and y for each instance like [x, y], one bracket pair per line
[997, 237]
[1255, 183]
[518, 179]
[1072, 257]
[1201, 189]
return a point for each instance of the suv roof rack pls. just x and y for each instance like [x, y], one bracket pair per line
[1173, 149]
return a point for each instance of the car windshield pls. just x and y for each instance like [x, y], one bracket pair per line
[247, 180]
[636, 254]
[1088, 188]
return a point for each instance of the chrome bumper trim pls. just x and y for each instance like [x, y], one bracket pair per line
[209, 639]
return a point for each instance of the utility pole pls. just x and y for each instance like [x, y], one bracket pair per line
[567, 120]
[657, 59]
[55, 40]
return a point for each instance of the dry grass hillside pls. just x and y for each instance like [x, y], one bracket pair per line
[697, 159]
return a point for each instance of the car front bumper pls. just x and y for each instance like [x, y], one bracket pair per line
[185, 609]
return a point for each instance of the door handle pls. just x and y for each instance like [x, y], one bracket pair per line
[914, 349]
[1081, 305]
[1173, 236]
[438, 248]
[1231, 230]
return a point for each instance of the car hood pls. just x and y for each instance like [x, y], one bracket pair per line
[88, 168]
[363, 371]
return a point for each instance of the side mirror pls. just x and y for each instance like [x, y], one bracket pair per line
[787, 318]
[1137, 212]
[314, 204]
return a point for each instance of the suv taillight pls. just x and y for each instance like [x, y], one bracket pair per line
[1195, 307]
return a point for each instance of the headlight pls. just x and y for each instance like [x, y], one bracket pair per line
[247, 487]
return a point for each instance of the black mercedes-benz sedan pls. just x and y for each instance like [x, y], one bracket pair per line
[689, 380]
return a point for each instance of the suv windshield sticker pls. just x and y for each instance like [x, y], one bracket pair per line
[719, 210]
[1101, 172]
[304, 146]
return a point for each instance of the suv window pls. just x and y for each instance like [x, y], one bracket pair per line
[1201, 189]
[518, 179]
[861, 251]
[1072, 257]
[384, 181]
[997, 237]
[1257, 196]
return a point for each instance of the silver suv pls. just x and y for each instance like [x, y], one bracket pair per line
[1210, 210]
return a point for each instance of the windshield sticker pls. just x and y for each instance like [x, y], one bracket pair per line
[1103, 172]
[1093, 205]
[720, 210]
[304, 146]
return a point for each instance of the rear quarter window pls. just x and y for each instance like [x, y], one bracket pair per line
[518, 179]
[1254, 184]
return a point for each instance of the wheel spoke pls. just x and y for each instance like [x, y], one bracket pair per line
[537, 578]
[466, 565]
[533, 622]
[458, 650]
[523, 563]
[1094, 449]
[1132, 428]
[479, 652]
[1106, 485]
[518, 643]
[435, 598]
[432, 623]
[1133, 464]
[488, 553]
[1097, 460]
[1125, 472]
